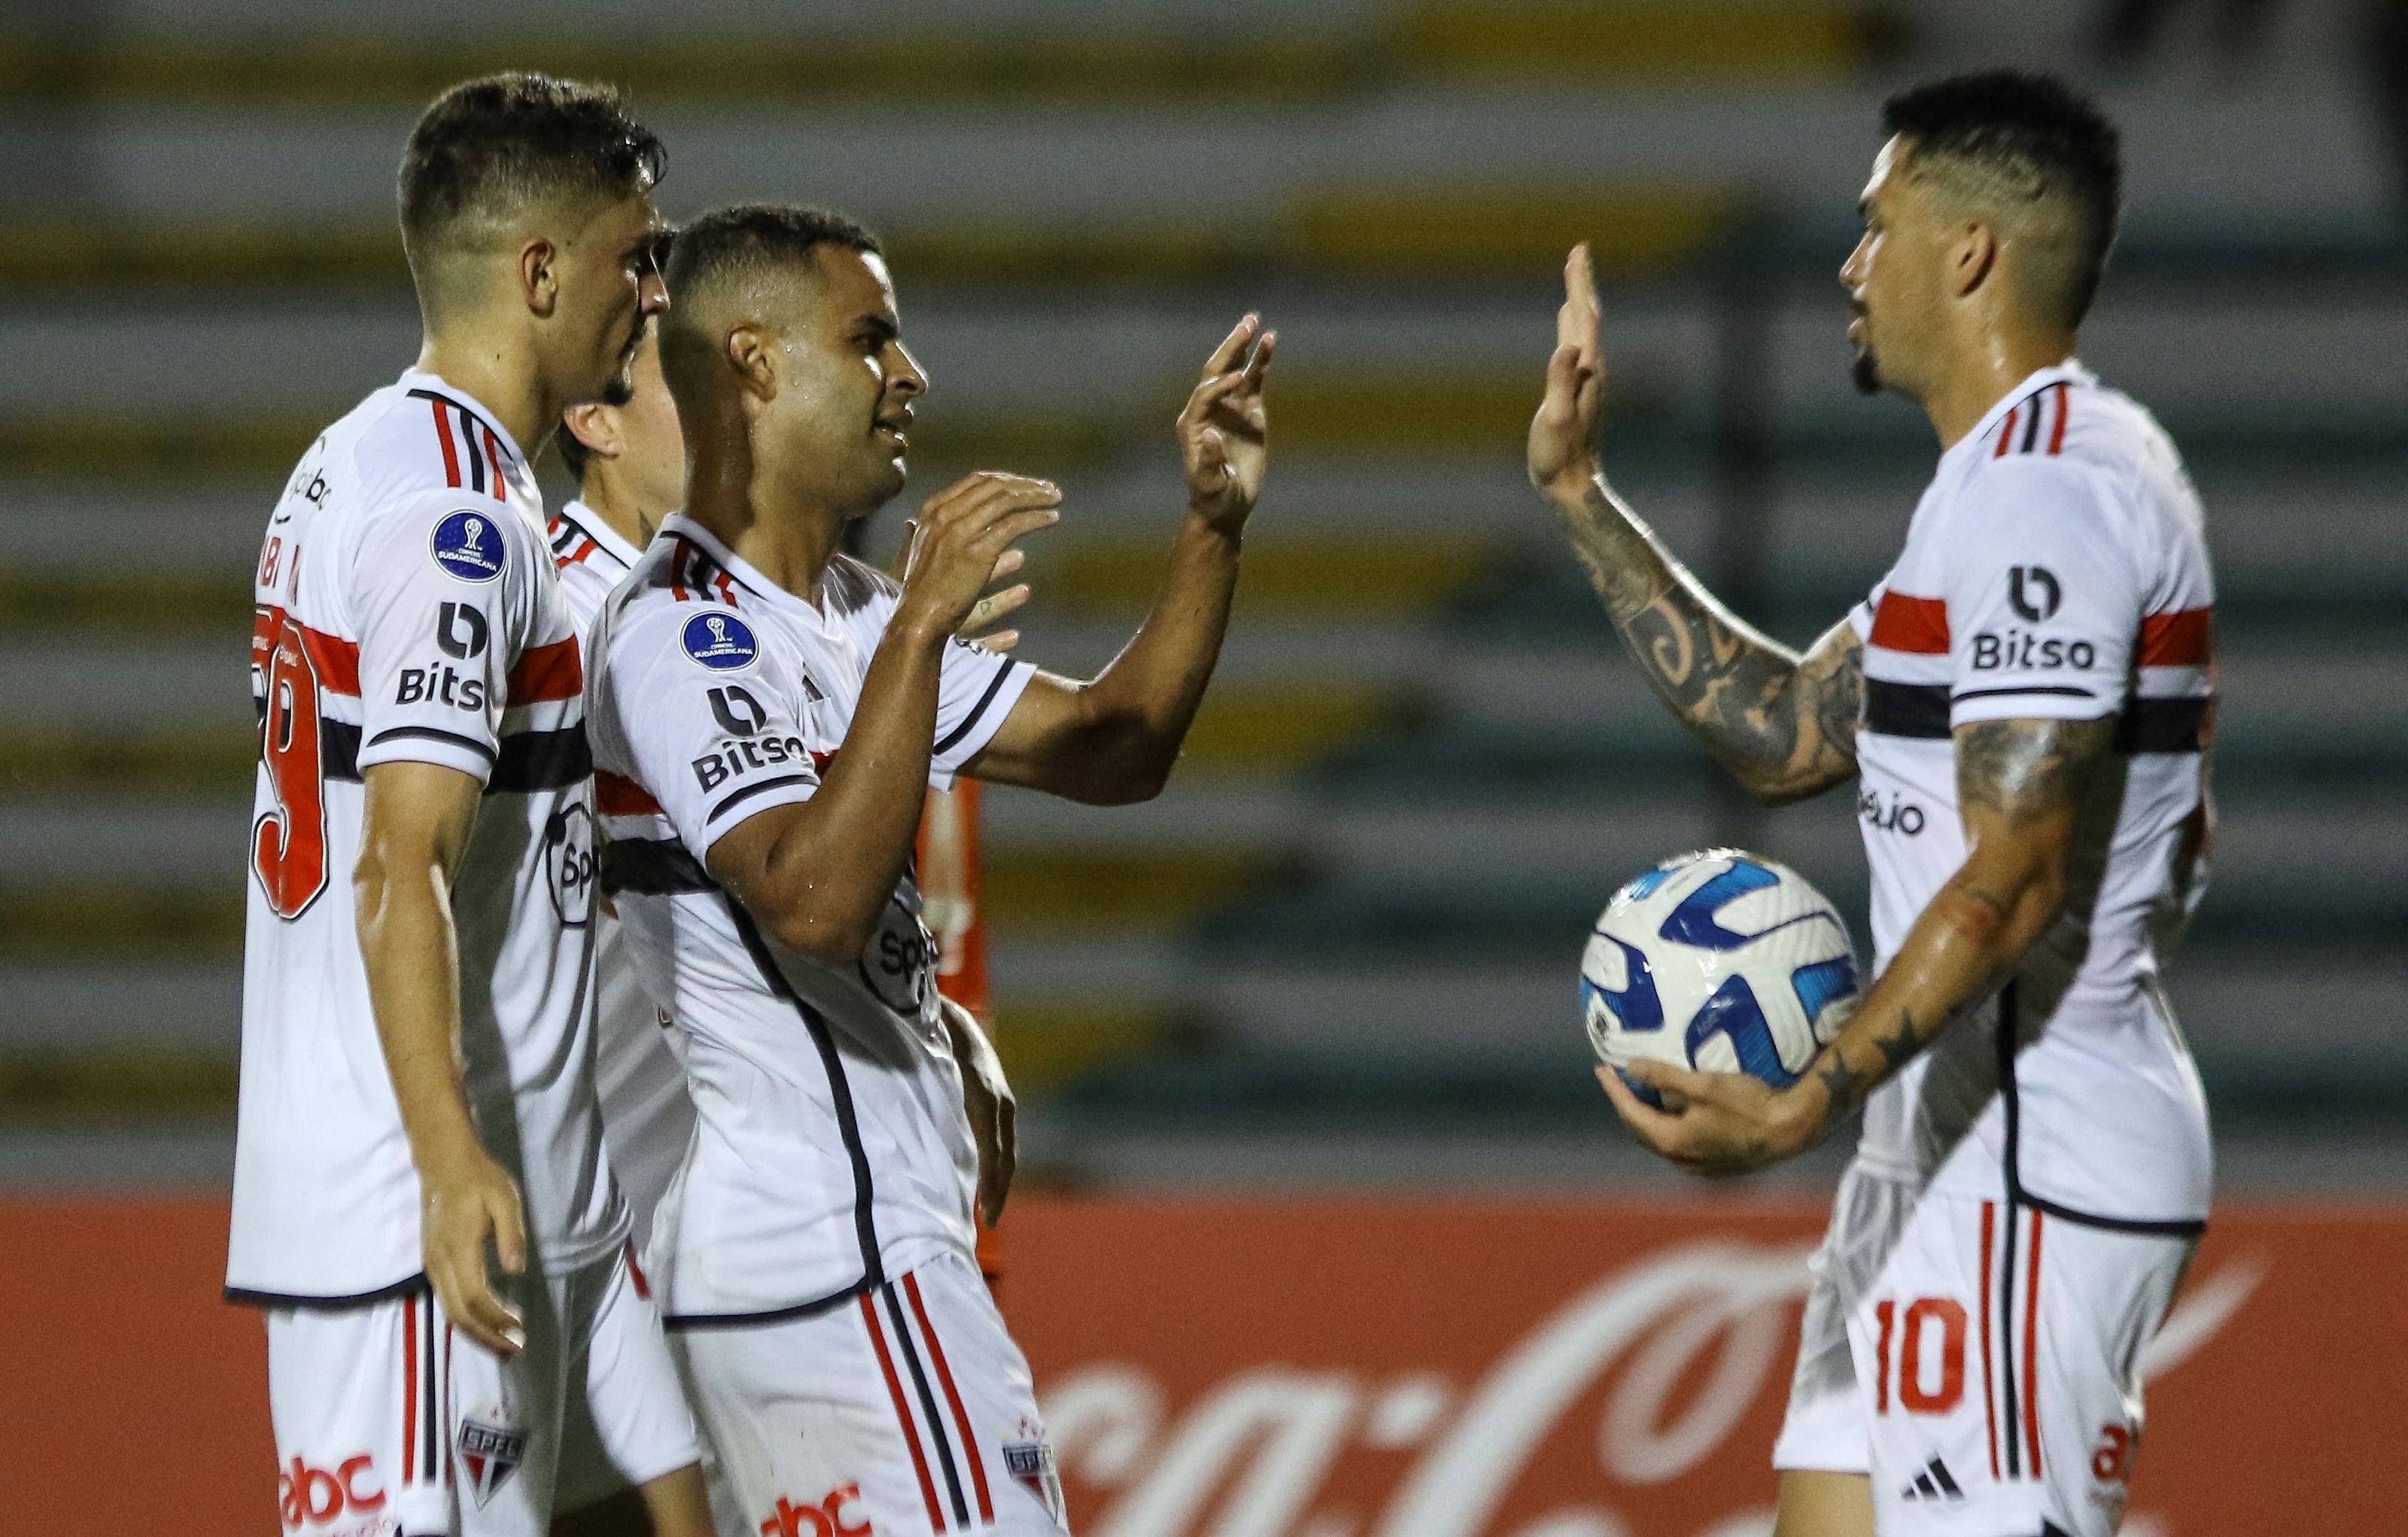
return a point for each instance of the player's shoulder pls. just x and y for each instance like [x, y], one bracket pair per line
[852, 585]
[660, 610]
[2066, 430]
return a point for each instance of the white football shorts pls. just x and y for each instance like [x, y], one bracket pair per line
[1978, 1360]
[906, 1410]
[389, 1425]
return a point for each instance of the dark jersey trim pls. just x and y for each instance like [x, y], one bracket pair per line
[652, 868]
[433, 733]
[978, 711]
[750, 790]
[409, 1287]
[1919, 712]
[542, 760]
[848, 1123]
[468, 415]
[2062, 690]
[773, 1315]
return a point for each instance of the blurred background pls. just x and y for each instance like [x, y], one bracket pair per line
[1339, 952]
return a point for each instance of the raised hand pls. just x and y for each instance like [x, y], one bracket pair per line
[962, 542]
[1563, 436]
[1222, 431]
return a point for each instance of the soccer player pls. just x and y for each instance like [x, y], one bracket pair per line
[417, 1099]
[2025, 696]
[768, 715]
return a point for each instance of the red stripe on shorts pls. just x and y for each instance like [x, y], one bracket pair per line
[953, 1399]
[409, 1390]
[1989, 1382]
[2031, 1353]
[903, 1412]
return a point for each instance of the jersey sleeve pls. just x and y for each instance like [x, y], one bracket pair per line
[714, 738]
[976, 689]
[444, 595]
[2045, 599]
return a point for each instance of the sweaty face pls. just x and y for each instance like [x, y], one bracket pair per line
[1893, 278]
[610, 285]
[844, 402]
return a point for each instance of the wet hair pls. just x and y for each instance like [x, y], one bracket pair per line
[2032, 153]
[488, 149]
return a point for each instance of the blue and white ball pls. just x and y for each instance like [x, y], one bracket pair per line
[1722, 961]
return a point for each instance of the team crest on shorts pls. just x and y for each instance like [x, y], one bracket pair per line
[721, 642]
[489, 1455]
[1030, 1460]
[468, 545]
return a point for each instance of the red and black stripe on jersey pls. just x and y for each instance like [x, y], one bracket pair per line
[525, 762]
[2020, 433]
[470, 442]
[694, 574]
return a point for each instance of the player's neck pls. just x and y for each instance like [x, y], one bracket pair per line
[614, 506]
[784, 538]
[505, 381]
[1989, 366]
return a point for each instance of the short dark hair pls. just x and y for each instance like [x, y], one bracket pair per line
[488, 147]
[751, 234]
[2037, 139]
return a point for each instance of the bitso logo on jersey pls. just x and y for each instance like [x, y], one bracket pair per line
[721, 642]
[468, 546]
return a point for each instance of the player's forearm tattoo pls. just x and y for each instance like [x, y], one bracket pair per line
[1784, 726]
[1848, 1083]
[2023, 769]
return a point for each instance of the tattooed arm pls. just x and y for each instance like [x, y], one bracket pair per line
[2021, 785]
[1784, 725]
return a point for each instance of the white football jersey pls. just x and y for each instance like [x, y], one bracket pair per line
[407, 608]
[647, 1117]
[832, 1151]
[2056, 568]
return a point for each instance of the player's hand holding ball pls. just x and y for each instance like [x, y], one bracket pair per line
[962, 542]
[466, 1198]
[1223, 431]
[1563, 434]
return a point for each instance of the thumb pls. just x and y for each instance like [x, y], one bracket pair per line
[1212, 455]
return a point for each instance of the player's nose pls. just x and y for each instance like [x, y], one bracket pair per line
[906, 377]
[651, 293]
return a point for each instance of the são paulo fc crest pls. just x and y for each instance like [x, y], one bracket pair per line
[1030, 1462]
[489, 1455]
[721, 642]
[468, 545]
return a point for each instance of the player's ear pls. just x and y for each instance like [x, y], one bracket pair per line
[538, 276]
[753, 354]
[1971, 255]
[595, 425]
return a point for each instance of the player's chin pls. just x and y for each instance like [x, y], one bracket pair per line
[1865, 372]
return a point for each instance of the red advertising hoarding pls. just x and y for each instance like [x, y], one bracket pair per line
[1324, 1369]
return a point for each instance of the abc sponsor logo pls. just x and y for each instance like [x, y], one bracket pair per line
[836, 1515]
[315, 1500]
[468, 545]
[721, 642]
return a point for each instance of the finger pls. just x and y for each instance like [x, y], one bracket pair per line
[1232, 347]
[1209, 394]
[1565, 374]
[1212, 456]
[983, 489]
[1260, 362]
[999, 642]
[1010, 526]
[1654, 1128]
[489, 1321]
[1711, 1088]
[1004, 602]
[990, 608]
[968, 519]
[964, 483]
[509, 1231]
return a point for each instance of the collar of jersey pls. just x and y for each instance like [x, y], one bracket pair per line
[2069, 371]
[752, 580]
[597, 528]
[419, 378]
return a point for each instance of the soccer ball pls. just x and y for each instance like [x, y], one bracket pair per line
[1722, 961]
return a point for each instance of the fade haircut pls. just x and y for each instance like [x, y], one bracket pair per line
[489, 150]
[728, 252]
[2034, 155]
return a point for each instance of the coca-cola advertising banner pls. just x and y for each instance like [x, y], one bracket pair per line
[1323, 1368]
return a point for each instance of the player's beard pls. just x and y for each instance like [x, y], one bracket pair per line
[1865, 372]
